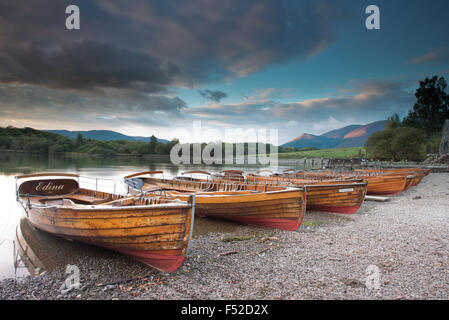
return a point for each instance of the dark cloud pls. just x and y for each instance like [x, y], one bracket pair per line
[215, 96]
[233, 38]
[205, 40]
[125, 56]
[85, 65]
[113, 107]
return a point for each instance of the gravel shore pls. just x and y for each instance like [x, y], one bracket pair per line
[405, 239]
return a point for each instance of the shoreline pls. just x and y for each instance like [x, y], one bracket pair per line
[326, 258]
[305, 163]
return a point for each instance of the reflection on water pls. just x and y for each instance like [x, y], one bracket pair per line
[28, 249]
[37, 251]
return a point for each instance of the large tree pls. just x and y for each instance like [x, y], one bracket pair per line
[431, 107]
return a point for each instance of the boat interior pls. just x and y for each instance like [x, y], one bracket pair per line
[204, 186]
[68, 193]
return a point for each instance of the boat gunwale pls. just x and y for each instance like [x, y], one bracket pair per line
[202, 193]
[89, 207]
[317, 184]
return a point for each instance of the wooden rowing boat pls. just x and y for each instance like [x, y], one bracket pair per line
[386, 185]
[378, 184]
[155, 231]
[252, 204]
[338, 196]
[418, 173]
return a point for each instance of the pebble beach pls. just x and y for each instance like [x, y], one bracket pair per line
[405, 240]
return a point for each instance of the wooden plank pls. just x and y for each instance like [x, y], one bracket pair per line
[376, 198]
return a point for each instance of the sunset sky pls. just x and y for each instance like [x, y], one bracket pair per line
[149, 67]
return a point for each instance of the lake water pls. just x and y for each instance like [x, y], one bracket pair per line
[54, 250]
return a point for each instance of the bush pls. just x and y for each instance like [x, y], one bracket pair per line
[36, 145]
[397, 144]
[102, 151]
[5, 142]
[379, 145]
[435, 144]
[161, 149]
[56, 148]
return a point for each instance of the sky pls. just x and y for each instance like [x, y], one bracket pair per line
[154, 67]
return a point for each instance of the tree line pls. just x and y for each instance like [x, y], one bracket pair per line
[32, 140]
[419, 132]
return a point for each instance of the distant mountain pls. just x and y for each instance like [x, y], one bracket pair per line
[350, 136]
[340, 133]
[358, 136]
[106, 135]
[309, 140]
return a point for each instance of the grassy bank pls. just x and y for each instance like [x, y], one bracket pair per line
[325, 153]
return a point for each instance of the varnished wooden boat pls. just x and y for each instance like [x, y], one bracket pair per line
[378, 184]
[398, 170]
[252, 204]
[155, 231]
[417, 180]
[418, 173]
[338, 196]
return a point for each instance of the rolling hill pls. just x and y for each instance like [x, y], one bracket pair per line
[340, 133]
[106, 135]
[350, 136]
[306, 140]
[358, 136]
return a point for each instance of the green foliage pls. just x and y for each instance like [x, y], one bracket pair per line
[152, 145]
[31, 140]
[379, 145]
[393, 122]
[309, 149]
[161, 149]
[339, 153]
[431, 107]
[402, 143]
[435, 144]
[409, 144]
[5, 142]
[287, 149]
[79, 140]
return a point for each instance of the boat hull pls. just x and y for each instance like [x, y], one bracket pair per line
[266, 206]
[155, 235]
[386, 185]
[161, 261]
[344, 197]
[281, 209]
[410, 182]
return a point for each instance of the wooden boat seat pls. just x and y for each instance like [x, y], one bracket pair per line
[87, 199]
[77, 198]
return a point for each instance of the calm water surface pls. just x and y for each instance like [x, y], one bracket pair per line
[51, 250]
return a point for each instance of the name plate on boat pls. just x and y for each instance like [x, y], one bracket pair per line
[48, 187]
[346, 190]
